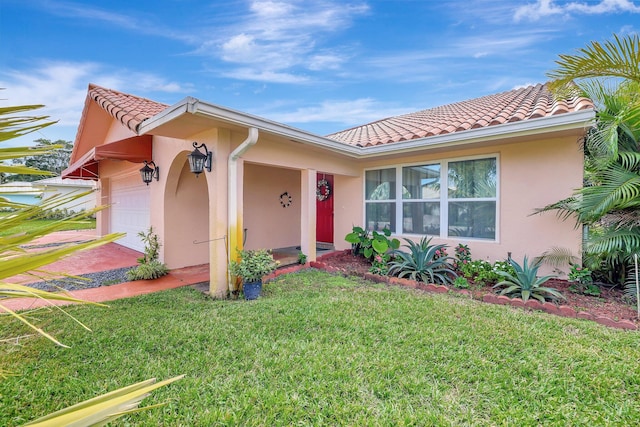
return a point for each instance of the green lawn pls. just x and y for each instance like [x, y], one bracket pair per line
[325, 350]
[36, 223]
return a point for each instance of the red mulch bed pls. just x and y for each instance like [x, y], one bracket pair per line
[611, 302]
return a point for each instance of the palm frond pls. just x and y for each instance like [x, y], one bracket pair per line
[565, 208]
[104, 408]
[614, 242]
[620, 188]
[619, 57]
[557, 257]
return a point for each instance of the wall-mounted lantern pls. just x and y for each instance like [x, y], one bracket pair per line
[148, 173]
[198, 161]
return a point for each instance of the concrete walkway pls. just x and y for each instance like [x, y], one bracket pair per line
[106, 257]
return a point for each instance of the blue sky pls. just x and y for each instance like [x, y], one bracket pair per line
[322, 66]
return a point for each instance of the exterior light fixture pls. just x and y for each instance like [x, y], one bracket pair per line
[199, 161]
[148, 173]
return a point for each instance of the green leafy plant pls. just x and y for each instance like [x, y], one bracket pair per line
[302, 258]
[253, 265]
[526, 284]
[149, 266]
[484, 273]
[461, 283]
[463, 254]
[360, 239]
[421, 263]
[371, 244]
[582, 281]
[148, 271]
[380, 264]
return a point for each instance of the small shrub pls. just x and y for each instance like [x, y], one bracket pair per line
[582, 281]
[463, 255]
[422, 264]
[148, 271]
[371, 244]
[302, 258]
[525, 283]
[484, 273]
[149, 266]
[253, 265]
[461, 283]
[589, 289]
[380, 264]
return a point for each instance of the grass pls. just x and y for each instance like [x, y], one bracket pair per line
[37, 223]
[326, 350]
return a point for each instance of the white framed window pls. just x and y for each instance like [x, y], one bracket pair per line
[447, 198]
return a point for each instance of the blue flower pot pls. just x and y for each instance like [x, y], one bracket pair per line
[252, 290]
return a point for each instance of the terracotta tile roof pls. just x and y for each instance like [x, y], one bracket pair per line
[512, 106]
[128, 109]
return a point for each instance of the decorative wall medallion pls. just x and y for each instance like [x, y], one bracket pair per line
[285, 199]
[324, 190]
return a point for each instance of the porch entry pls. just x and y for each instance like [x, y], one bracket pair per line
[324, 209]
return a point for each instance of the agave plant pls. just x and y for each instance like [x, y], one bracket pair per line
[424, 262]
[525, 283]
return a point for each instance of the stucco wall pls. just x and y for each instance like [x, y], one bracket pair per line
[187, 219]
[268, 223]
[532, 174]
[348, 205]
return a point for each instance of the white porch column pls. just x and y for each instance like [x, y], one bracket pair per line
[308, 213]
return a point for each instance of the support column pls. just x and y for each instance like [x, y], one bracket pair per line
[103, 221]
[308, 213]
[218, 260]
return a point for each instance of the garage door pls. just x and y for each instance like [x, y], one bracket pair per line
[130, 209]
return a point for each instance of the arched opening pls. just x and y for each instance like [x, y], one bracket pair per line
[186, 216]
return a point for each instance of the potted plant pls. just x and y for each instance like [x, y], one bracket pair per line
[251, 268]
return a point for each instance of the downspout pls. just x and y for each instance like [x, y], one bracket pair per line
[234, 229]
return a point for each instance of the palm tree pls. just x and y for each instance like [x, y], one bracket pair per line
[608, 203]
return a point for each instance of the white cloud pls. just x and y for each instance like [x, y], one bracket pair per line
[605, 6]
[325, 62]
[344, 112]
[545, 8]
[91, 14]
[524, 85]
[278, 36]
[627, 29]
[265, 76]
[62, 88]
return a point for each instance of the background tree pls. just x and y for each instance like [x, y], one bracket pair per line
[55, 161]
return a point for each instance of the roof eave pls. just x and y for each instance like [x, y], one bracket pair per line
[191, 105]
[567, 121]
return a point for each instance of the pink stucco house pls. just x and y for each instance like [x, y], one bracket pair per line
[471, 172]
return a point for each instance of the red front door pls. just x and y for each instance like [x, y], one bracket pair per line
[324, 208]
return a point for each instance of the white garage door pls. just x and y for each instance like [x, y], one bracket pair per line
[130, 210]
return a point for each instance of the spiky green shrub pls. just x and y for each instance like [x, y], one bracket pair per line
[423, 263]
[149, 266]
[526, 284]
